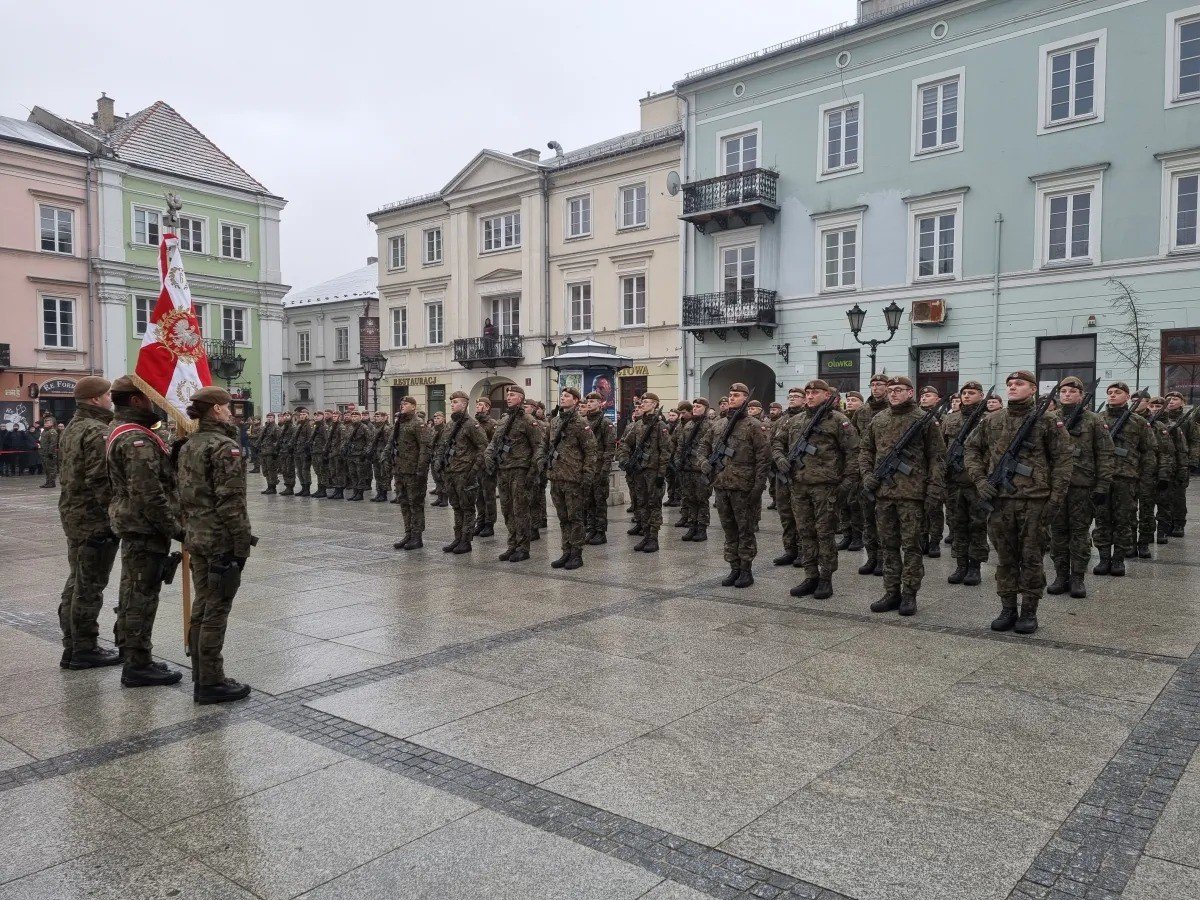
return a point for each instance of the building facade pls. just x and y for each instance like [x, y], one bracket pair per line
[517, 256]
[1015, 175]
[327, 329]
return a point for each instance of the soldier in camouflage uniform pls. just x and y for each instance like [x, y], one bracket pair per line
[485, 503]
[1019, 517]
[739, 483]
[254, 434]
[812, 483]
[674, 418]
[48, 451]
[212, 493]
[381, 456]
[567, 457]
[437, 432]
[510, 457]
[144, 512]
[316, 452]
[357, 451]
[935, 514]
[1173, 458]
[411, 446]
[1091, 477]
[302, 452]
[461, 454]
[774, 414]
[876, 403]
[781, 489]
[694, 489]
[339, 471]
[643, 455]
[1187, 434]
[268, 453]
[968, 521]
[629, 482]
[287, 454]
[537, 497]
[1134, 465]
[83, 510]
[595, 510]
[900, 504]
[850, 524]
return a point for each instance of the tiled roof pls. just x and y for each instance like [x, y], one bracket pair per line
[27, 132]
[357, 285]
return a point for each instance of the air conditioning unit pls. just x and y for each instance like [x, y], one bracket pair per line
[928, 312]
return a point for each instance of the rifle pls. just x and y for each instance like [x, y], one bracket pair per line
[1077, 416]
[1009, 464]
[637, 461]
[955, 452]
[1117, 429]
[897, 458]
[552, 456]
[685, 449]
[449, 451]
[804, 446]
[501, 443]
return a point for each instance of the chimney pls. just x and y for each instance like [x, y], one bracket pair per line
[372, 260]
[529, 154]
[871, 9]
[104, 117]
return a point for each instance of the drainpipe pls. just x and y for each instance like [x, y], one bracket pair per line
[87, 255]
[999, 222]
[684, 381]
[544, 183]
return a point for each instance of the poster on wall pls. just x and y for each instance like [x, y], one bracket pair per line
[602, 381]
[571, 378]
[276, 402]
[18, 415]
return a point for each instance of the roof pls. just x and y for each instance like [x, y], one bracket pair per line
[361, 284]
[28, 133]
[158, 137]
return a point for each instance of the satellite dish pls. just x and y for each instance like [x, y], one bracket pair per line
[673, 183]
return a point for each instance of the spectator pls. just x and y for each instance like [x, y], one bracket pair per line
[489, 330]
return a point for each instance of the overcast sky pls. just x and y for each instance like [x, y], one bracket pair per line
[369, 102]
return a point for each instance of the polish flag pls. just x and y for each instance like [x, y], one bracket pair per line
[171, 363]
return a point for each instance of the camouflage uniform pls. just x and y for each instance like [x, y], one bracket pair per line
[268, 452]
[461, 455]
[83, 510]
[1091, 479]
[537, 493]
[411, 447]
[1156, 503]
[254, 434]
[48, 450]
[1134, 465]
[782, 487]
[516, 474]
[694, 490]
[437, 434]
[144, 512]
[286, 459]
[864, 508]
[595, 510]
[739, 485]
[302, 453]
[1189, 446]
[485, 502]
[568, 457]
[643, 454]
[316, 452]
[358, 456]
[381, 460]
[968, 521]
[339, 470]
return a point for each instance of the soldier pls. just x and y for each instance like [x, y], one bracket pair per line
[1134, 464]
[813, 479]
[643, 455]
[568, 458]
[462, 456]
[595, 511]
[485, 504]
[510, 457]
[694, 489]
[268, 451]
[357, 451]
[381, 457]
[254, 433]
[83, 510]
[782, 490]
[316, 452]
[1091, 477]
[411, 446]
[286, 454]
[335, 442]
[144, 512]
[900, 504]
[739, 483]
[48, 450]
[674, 418]
[994, 403]
[850, 524]
[876, 403]
[1187, 434]
[935, 516]
[968, 521]
[537, 496]
[437, 430]
[302, 452]
[212, 491]
[634, 415]
[774, 414]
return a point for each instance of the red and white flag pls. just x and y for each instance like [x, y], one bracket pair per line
[171, 363]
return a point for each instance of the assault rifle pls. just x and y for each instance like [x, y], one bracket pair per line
[1077, 416]
[502, 444]
[804, 445]
[1116, 431]
[1009, 465]
[641, 453]
[721, 449]
[956, 451]
[897, 458]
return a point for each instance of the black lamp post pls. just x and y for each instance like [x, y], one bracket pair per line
[891, 317]
[223, 360]
[373, 367]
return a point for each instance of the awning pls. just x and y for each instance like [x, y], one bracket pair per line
[586, 354]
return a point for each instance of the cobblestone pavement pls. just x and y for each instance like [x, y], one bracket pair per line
[435, 726]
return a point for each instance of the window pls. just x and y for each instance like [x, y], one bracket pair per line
[937, 118]
[1071, 81]
[58, 322]
[740, 152]
[303, 347]
[146, 226]
[633, 300]
[633, 206]
[738, 268]
[1058, 357]
[1067, 229]
[1181, 181]
[142, 308]
[399, 330]
[841, 259]
[433, 246]
[1180, 359]
[434, 323]
[935, 245]
[501, 232]
[935, 235]
[233, 241]
[1184, 217]
[1183, 56]
[1070, 226]
[841, 138]
[57, 229]
[199, 310]
[506, 314]
[341, 343]
[579, 216]
[303, 391]
[233, 324]
[397, 252]
[579, 302]
[191, 234]
[938, 366]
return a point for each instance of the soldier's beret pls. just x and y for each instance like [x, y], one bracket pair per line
[217, 396]
[1120, 386]
[796, 390]
[301, 409]
[125, 385]
[1022, 375]
[776, 405]
[754, 404]
[1171, 394]
[683, 406]
[355, 412]
[459, 395]
[284, 412]
[703, 401]
[818, 384]
[91, 386]
[930, 389]
[1157, 401]
[485, 401]
[972, 386]
[739, 388]
[1071, 381]
[539, 404]
[880, 379]
[514, 389]
[901, 380]
[725, 399]
[594, 395]
[855, 394]
[650, 395]
[411, 401]
[573, 391]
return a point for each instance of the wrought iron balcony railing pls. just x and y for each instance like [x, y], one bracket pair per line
[739, 310]
[731, 201]
[503, 350]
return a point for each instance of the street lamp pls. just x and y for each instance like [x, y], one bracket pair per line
[891, 317]
[223, 361]
[373, 366]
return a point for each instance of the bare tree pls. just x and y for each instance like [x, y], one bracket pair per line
[1133, 339]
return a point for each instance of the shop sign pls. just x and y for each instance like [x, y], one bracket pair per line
[633, 371]
[59, 387]
[414, 380]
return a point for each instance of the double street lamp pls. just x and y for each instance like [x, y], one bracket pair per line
[373, 366]
[891, 317]
[223, 360]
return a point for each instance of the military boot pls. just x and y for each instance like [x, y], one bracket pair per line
[856, 541]
[561, 561]
[878, 570]
[488, 530]
[596, 538]
[869, 566]
[683, 523]
[270, 490]
[1177, 531]
[1078, 591]
[635, 530]
[843, 542]
[94, 658]
[398, 500]
[1143, 550]
[745, 578]
[651, 542]
[934, 547]
[379, 497]
[464, 546]
[957, 576]
[575, 560]
[1105, 565]
[889, 602]
[1060, 583]
[824, 589]
[787, 559]
[1008, 615]
[806, 587]
[339, 494]
[535, 534]
[227, 691]
[908, 604]
[506, 555]
[1117, 570]
[287, 492]
[973, 576]
[1161, 538]
[641, 545]
[305, 491]
[1027, 623]
[734, 571]
[399, 545]
[153, 674]
[689, 534]
[453, 545]
[701, 534]
[519, 555]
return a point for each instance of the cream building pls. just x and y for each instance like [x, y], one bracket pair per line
[518, 256]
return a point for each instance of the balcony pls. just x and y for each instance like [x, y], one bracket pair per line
[731, 201]
[488, 352]
[739, 310]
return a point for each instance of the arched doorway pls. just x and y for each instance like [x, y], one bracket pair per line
[491, 387]
[757, 376]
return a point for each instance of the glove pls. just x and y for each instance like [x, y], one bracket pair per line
[986, 490]
[870, 483]
[1099, 498]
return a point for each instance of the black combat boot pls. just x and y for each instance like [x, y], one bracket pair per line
[869, 566]
[225, 692]
[596, 538]
[973, 575]
[287, 492]
[575, 560]
[651, 542]
[1027, 623]
[478, 528]
[1143, 550]
[154, 674]
[635, 530]
[339, 494]
[701, 534]
[806, 587]
[878, 570]
[889, 602]
[398, 500]
[1117, 570]
[1105, 565]
[934, 548]
[683, 523]
[305, 491]
[734, 571]
[270, 490]
[687, 535]
[95, 658]
[908, 604]
[1060, 583]
[824, 589]
[488, 530]
[401, 544]
[561, 561]
[451, 547]
[856, 541]
[1008, 615]
[519, 555]
[641, 545]
[1163, 536]
[1177, 531]
[843, 543]
[948, 539]
[379, 498]
[506, 555]
[787, 559]
[535, 534]
[745, 578]
[957, 576]
[414, 543]
[464, 546]
[1078, 591]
